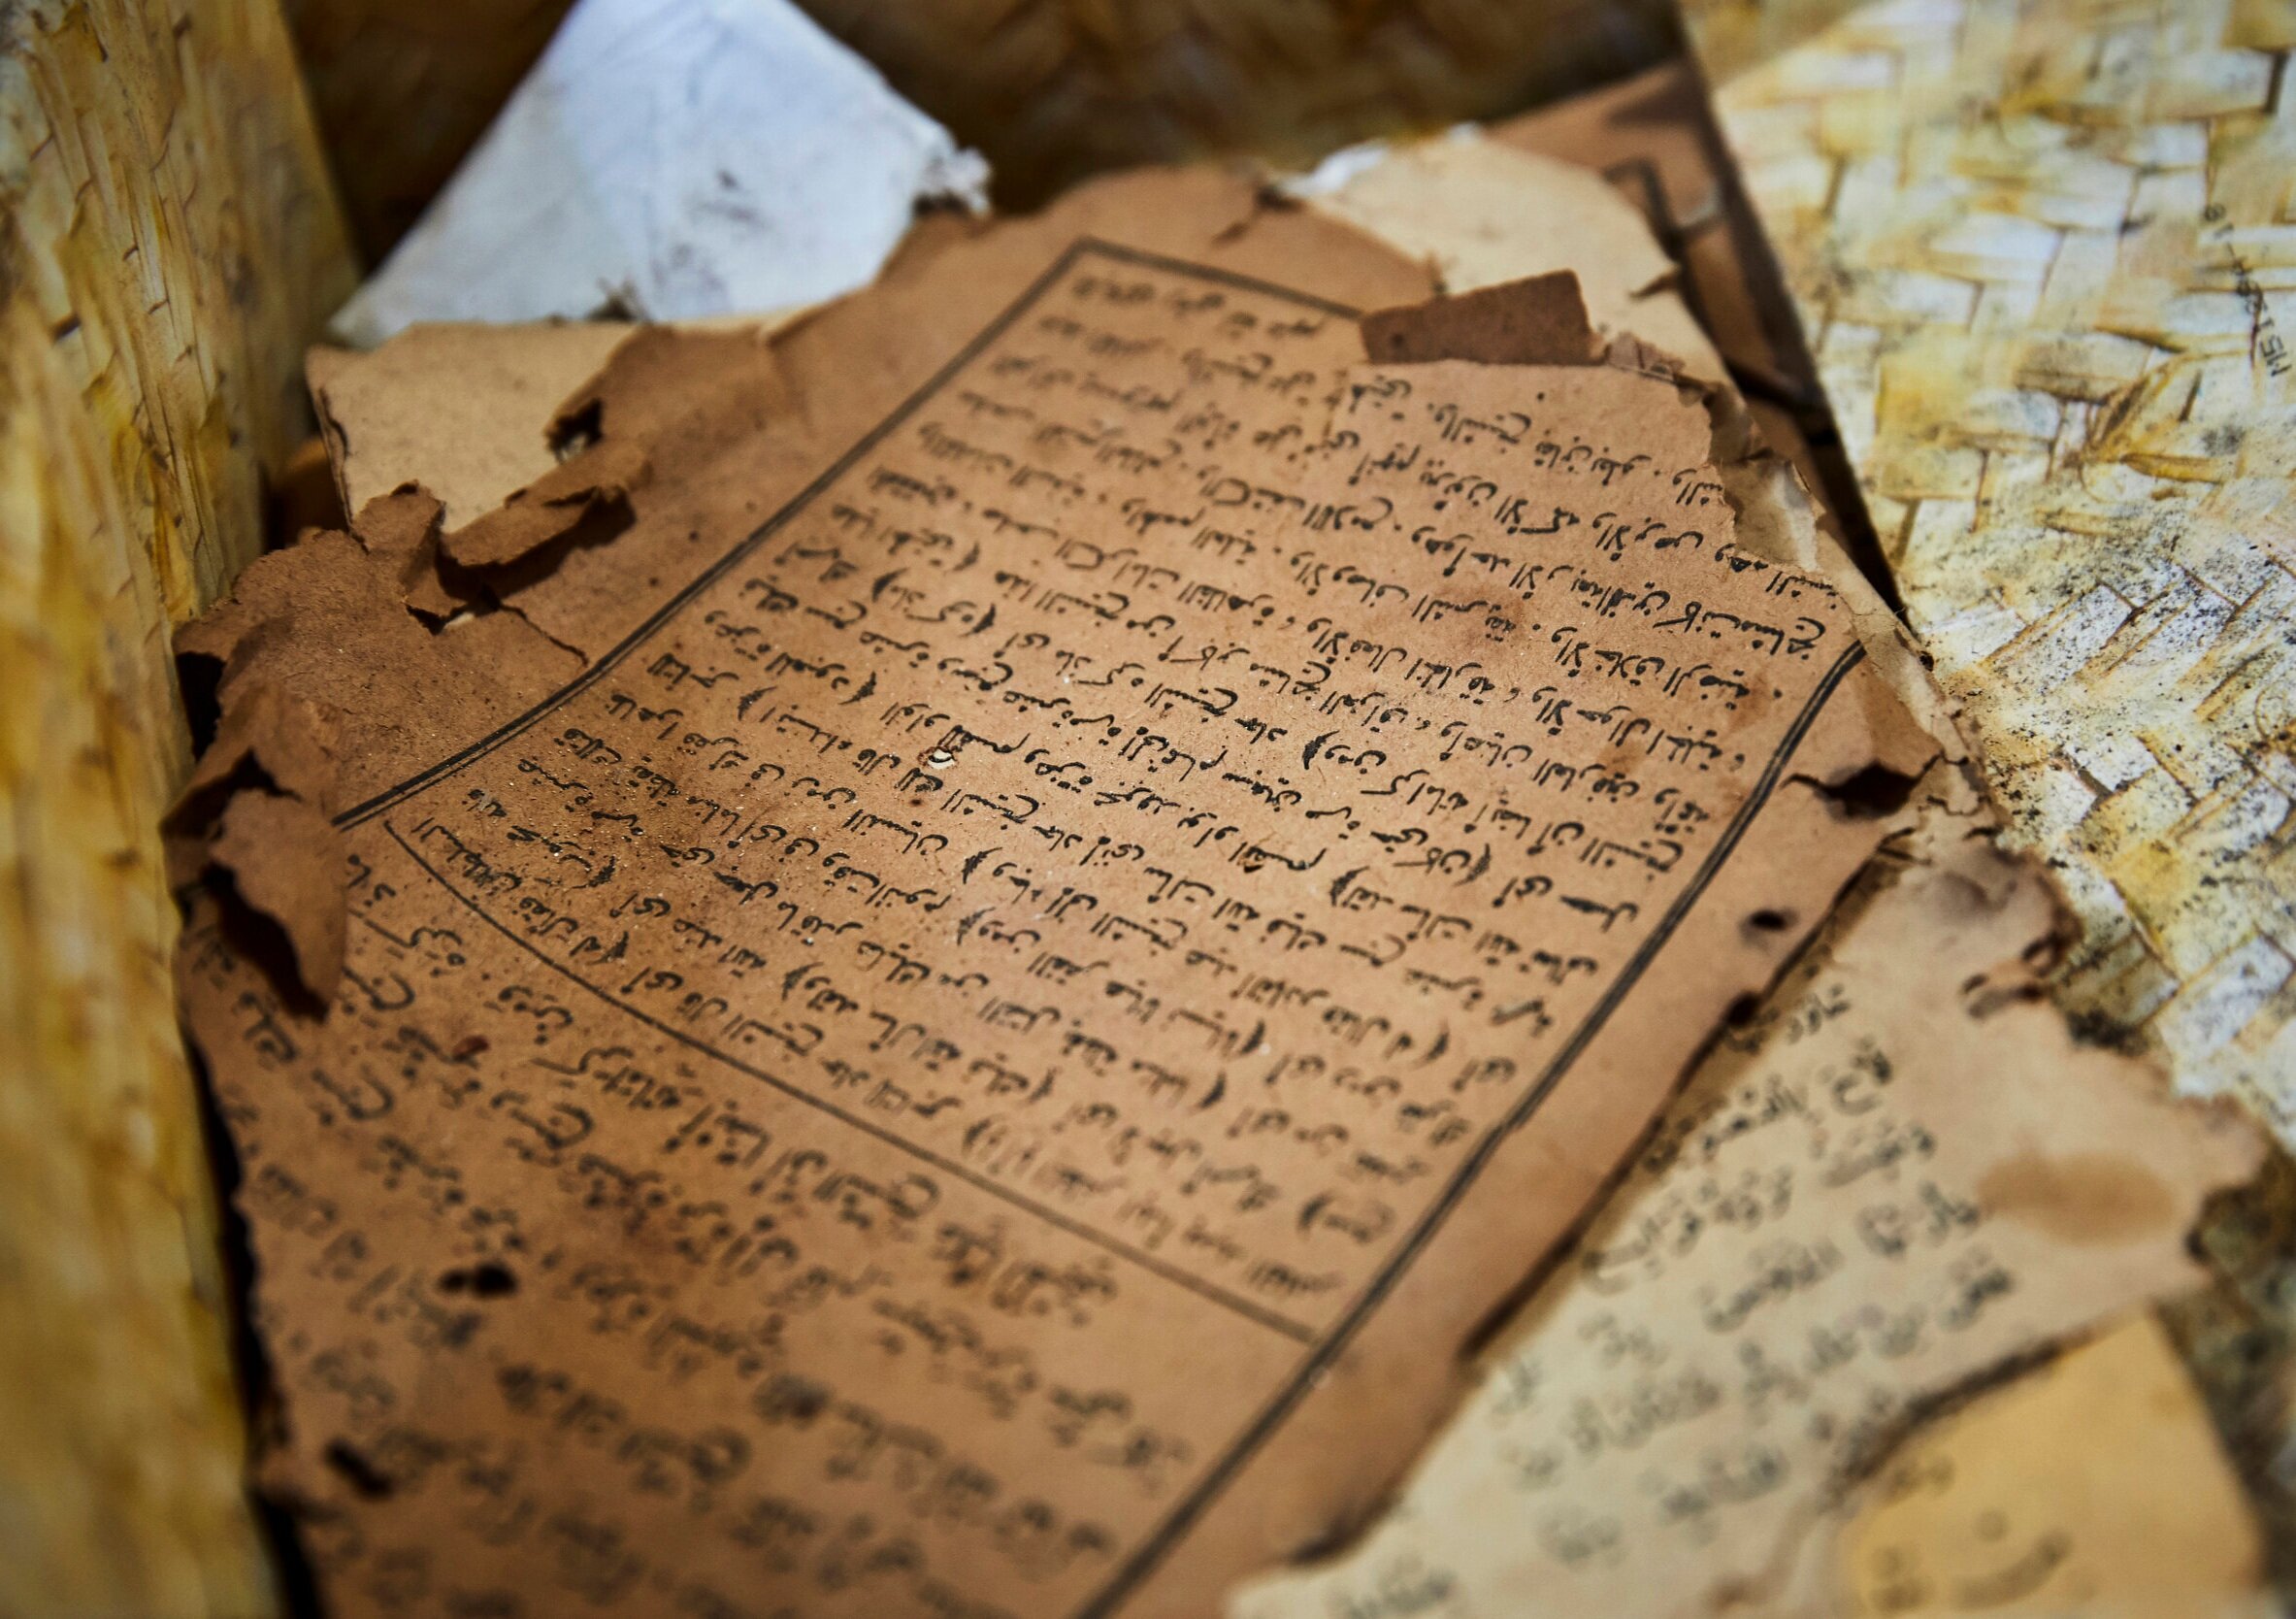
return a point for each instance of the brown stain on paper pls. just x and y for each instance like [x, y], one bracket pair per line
[2093, 1199]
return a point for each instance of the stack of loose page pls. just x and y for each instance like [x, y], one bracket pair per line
[986, 954]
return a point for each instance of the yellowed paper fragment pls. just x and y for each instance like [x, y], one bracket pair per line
[2093, 1486]
[462, 408]
[2041, 254]
[1482, 212]
[1074, 935]
[1899, 1173]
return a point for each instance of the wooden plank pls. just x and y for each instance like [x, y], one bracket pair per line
[168, 241]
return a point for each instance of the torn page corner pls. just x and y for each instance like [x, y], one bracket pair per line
[1483, 212]
[1537, 320]
[464, 409]
[256, 815]
[587, 495]
[283, 858]
[287, 739]
[403, 529]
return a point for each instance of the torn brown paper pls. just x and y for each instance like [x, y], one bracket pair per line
[282, 858]
[591, 491]
[1114, 876]
[1900, 1171]
[255, 812]
[1438, 199]
[463, 409]
[402, 530]
[1538, 320]
[2093, 1486]
[1653, 137]
[397, 687]
[1488, 208]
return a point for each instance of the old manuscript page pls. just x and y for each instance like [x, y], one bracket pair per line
[986, 1056]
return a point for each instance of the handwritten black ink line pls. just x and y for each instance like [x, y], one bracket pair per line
[1152, 1552]
[1257, 1313]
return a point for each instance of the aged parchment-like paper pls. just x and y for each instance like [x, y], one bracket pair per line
[980, 940]
[463, 409]
[1482, 211]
